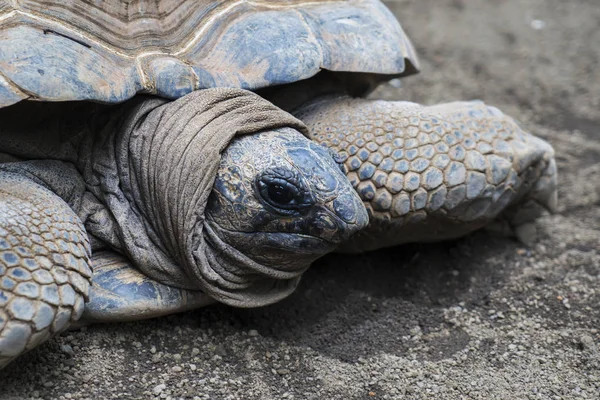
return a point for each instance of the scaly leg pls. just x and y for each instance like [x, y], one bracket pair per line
[120, 292]
[44, 265]
[433, 173]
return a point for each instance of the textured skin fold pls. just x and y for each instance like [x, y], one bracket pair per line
[155, 177]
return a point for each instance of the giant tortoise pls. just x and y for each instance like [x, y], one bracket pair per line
[156, 156]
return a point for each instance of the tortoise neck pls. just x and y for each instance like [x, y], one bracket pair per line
[154, 169]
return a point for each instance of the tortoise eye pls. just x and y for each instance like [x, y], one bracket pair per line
[280, 189]
[280, 193]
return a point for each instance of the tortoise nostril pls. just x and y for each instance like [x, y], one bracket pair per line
[350, 209]
[344, 207]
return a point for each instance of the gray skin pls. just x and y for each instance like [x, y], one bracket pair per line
[395, 172]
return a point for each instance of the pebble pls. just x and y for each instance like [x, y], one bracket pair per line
[159, 388]
[587, 342]
[67, 349]
[527, 234]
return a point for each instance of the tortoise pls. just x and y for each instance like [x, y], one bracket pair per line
[157, 156]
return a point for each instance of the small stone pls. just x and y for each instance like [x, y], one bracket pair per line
[527, 234]
[67, 349]
[251, 332]
[283, 371]
[538, 24]
[159, 388]
[587, 342]
[176, 368]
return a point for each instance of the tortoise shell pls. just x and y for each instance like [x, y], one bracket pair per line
[107, 51]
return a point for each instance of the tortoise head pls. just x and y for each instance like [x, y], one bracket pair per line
[279, 202]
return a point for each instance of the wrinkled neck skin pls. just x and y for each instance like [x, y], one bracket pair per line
[277, 201]
[111, 162]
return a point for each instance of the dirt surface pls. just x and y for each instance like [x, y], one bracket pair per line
[479, 318]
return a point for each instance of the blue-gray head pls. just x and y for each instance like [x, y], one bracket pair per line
[279, 202]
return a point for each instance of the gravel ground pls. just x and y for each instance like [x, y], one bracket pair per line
[478, 318]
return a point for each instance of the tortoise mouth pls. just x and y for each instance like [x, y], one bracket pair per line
[299, 244]
[296, 243]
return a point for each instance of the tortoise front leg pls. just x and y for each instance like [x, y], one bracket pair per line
[434, 173]
[120, 292]
[44, 265]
